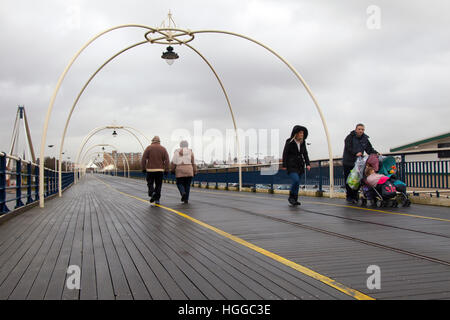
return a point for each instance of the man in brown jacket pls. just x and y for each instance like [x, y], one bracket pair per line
[155, 162]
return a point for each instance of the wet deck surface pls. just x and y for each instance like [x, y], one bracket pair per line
[222, 245]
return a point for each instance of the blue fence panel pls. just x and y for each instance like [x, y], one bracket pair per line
[417, 174]
[3, 206]
[20, 183]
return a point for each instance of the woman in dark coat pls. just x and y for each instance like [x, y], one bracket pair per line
[295, 156]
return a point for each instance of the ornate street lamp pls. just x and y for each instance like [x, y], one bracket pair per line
[170, 56]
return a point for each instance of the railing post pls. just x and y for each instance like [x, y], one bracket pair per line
[52, 179]
[3, 207]
[19, 202]
[320, 177]
[226, 179]
[272, 178]
[47, 186]
[254, 179]
[36, 179]
[30, 179]
[217, 180]
[56, 180]
[52, 175]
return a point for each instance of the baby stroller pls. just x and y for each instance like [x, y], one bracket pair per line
[389, 191]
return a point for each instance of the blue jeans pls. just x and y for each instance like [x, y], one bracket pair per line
[295, 177]
[184, 185]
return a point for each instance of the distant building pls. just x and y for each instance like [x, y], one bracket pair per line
[134, 159]
[436, 142]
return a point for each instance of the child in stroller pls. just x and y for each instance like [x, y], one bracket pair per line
[380, 185]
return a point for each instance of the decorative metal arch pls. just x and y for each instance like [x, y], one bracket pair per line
[168, 35]
[108, 145]
[90, 157]
[110, 161]
[95, 131]
[124, 50]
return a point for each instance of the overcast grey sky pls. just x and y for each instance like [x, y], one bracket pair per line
[394, 79]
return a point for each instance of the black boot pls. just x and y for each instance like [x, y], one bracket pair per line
[292, 200]
[296, 203]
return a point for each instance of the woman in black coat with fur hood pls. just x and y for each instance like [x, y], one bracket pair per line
[295, 156]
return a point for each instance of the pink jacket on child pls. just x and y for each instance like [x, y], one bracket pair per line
[376, 178]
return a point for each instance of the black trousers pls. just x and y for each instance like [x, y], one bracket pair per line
[351, 194]
[154, 184]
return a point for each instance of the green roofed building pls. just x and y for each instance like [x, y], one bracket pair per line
[439, 141]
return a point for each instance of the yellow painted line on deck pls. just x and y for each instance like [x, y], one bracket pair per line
[330, 204]
[328, 281]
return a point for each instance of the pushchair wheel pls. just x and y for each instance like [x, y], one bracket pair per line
[380, 204]
[363, 202]
[407, 203]
[395, 204]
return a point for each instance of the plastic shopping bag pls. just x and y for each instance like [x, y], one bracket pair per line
[353, 179]
[357, 173]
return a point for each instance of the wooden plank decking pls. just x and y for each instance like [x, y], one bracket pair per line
[129, 250]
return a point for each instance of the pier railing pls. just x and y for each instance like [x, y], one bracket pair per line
[19, 182]
[427, 174]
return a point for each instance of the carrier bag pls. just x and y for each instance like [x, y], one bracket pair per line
[353, 179]
[388, 190]
[355, 176]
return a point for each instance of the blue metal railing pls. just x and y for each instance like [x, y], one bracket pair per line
[416, 174]
[19, 184]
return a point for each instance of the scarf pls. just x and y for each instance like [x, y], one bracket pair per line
[182, 156]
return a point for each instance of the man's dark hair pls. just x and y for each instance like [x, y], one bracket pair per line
[360, 125]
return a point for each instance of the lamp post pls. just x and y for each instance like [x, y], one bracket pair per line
[257, 154]
[169, 36]
[55, 170]
[51, 146]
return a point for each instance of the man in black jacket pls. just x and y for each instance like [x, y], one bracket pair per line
[355, 144]
[295, 156]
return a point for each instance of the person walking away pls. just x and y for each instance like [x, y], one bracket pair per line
[155, 163]
[295, 156]
[356, 143]
[183, 165]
